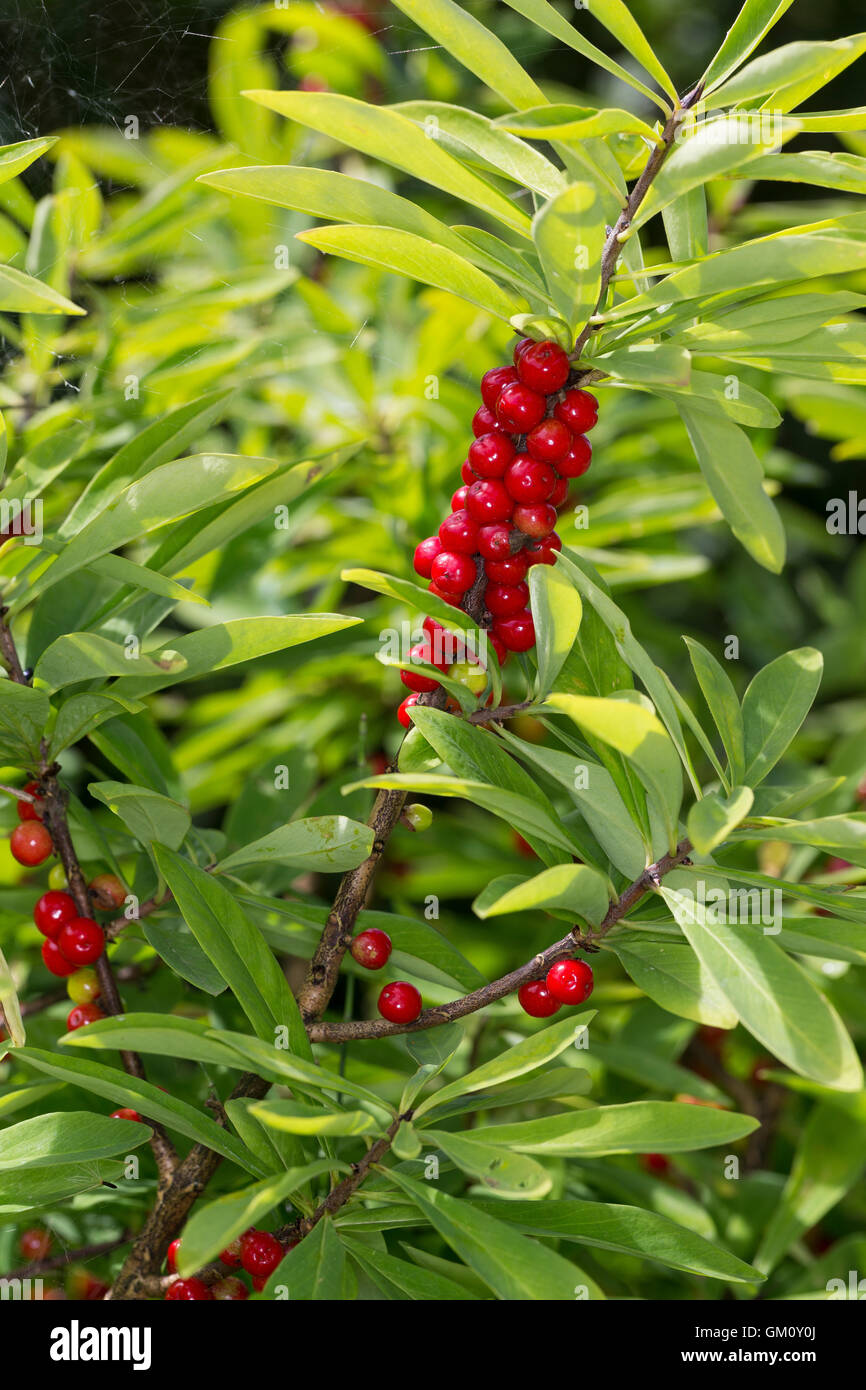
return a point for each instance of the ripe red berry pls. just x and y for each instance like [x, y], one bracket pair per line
[570, 981]
[467, 472]
[260, 1253]
[578, 410]
[229, 1290]
[458, 498]
[536, 519]
[107, 892]
[511, 570]
[483, 421]
[371, 948]
[490, 455]
[126, 1114]
[55, 961]
[35, 1243]
[189, 1290]
[30, 810]
[402, 714]
[536, 1000]
[231, 1256]
[488, 501]
[560, 493]
[415, 680]
[544, 367]
[521, 348]
[30, 843]
[655, 1163]
[425, 554]
[81, 1015]
[520, 409]
[452, 571]
[575, 463]
[445, 647]
[517, 633]
[400, 1002]
[82, 941]
[499, 648]
[494, 542]
[52, 911]
[171, 1255]
[493, 382]
[504, 600]
[530, 480]
[453, 599]
[459, 532]
[550, 441]
[543, 552]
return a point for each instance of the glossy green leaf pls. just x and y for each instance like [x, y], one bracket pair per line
[774, 706]
[149, 816]
[711, 819]
[327, 844]
[641, 1126]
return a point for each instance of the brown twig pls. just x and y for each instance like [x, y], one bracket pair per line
[68, 1257]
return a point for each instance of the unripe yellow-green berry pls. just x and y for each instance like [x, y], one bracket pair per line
[475, 677]
[418, 817]
[83, 986]
[57, 878]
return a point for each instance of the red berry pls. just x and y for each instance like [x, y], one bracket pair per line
[82, 941]
[400, 1002]
[467, 472]
[575, 463]
[229, 1290]
[494, 542]
[425, 554]
[490, 455]
[488, 501]
[55, 961]
[453, 599]
[458, 498]
[260, 1253]
[536, 519]
[171, 1255]
[483, 421]
[493, 382]
[190, 1290]
[536, 1000]
[35, 1243]
[231, 1256]
[544, 367]
[520, 409]
[530, 480]
[570, 981]
[459, 532]
[508, 571]
[578, 410]
[30, 843]
[81, 1015]
[550, 441]
[52, 911]
[452, 571]
[517, 633]
[498, 647]
[655, 1163]
[521, 348]
[560, 493]
[445, 647]
[543, 552]
[414, 680]
[126, 1114]
[371, 948]
[504, 600]
[107, 891]
[403, 712]
[30, 810]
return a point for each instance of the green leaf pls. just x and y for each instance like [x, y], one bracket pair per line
[575, 888]
[803, 67]
[569, 236]
[14, 159]
[510, 1176]
[557, 610]
[295, 1118]
[616, 18]
[80, 714]
[754, 20]
[735, 477]
[149, 816]
[389, 1273]
[721, 697]
[164, 1035]
[773, 996]
[326, 844]
[466, 134]
[236, 948]
[473, 45]
[406, 592]
[313, 1270]
[641, 1126]
[172, 939]
[560, 121]
[674, 978]
[70, 1136]
[32, 1189]
[774, 706]
[711, 819]
[286, 1067]
[22, 294]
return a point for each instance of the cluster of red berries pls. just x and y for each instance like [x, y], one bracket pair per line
[566, 982]
[256, 1252]
[399, 1002]
[530, 441]
[30, 841]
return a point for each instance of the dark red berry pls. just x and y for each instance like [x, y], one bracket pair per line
[529, 480]
[488, 502]
[35, 1243]
[504, 600]
[231, 1256]
[578, 410]
[544, 367]
[82, 941]
[550, 441]
[52, 911]
[467, 473]
[483, 421]
[400, 1002]
[445, 647]
[81, 1015]
[55, 961]
[260, 1253]
[655, 1163]
[517, 633]
[190, 1290]
[453, 599]
[560, 493]
[499, 648]
[107, 892]
[493, 382]
[126, 1114]
[521, 348]
[425, 554]
[570, 981]
[171, 1255]
[508, 571]
[494, 542]
[458, 498]
[452, 571]
[371, 948]
[575, 463]
[520, 409]
[30, 810]
[30, 843]
[536, 519]
[459, 532]
[536, 1000]
[403, 712]
[543, 552]
[490, 455]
